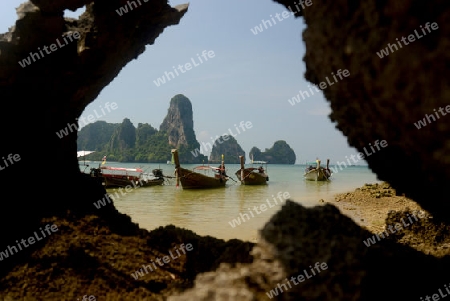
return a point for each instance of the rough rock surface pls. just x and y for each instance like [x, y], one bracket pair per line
[296, 238]
[227, 146]
[49, 94]
[179, 122]
[179, 127]
[89, 257]
[382, 98]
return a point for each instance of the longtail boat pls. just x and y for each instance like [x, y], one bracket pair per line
[318, 173]
[252, 175]
[200, 176]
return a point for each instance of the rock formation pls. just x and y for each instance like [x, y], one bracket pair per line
[382, 99]
[95, 134]
[179, 121]
[295, 244]
[179, 126]
[279, 153]
[145, 143]
[51, 92]
[124, 137]
[230, 148]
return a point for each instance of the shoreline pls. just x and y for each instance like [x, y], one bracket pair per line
[110, 255]
[377, 208]
[369, 205]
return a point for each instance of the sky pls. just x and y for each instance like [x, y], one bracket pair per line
[245, 77]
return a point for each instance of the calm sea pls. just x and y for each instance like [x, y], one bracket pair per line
[210, 212]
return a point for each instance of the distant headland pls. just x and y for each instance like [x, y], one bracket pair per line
[123, 142]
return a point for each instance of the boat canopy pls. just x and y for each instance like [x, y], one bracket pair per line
[84, 153]
[259, 162]
[203, 167]
[122, 169]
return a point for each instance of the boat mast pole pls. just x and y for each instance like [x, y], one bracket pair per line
[222, 167]
[177, 165]
[242, 167]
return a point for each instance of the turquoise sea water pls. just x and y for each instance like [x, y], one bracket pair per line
[209, 212]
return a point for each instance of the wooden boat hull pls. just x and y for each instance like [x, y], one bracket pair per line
[194, 180]
[317, 175]
[153, 182]
[113, 182]
[250, 177]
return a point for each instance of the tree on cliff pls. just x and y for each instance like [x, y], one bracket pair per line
[279, 153]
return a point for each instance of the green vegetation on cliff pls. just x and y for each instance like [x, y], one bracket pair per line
[279, 153]
[125, 143]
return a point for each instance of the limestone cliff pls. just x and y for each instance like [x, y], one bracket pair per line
[382, 99]
[124, 137]
[279, 153]
[179, 121]
[229, 147]
[179, 127]
[125, 143]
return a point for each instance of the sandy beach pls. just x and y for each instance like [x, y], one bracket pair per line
[91, 257]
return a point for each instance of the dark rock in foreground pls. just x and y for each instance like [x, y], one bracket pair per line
[299, 242]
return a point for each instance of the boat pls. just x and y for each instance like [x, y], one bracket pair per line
[113, 177]
[318, 173]
[200, 176]
[252, 175]
[154, 179]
